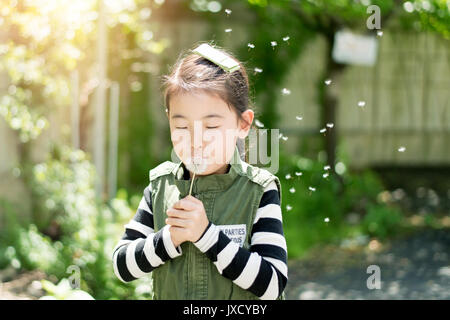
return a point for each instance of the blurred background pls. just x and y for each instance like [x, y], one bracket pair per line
[358, 88]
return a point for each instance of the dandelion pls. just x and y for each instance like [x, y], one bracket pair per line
[401, 149]
[288, 176]
[361, 104]
[298, 117]
[259, 124]
[228, 30]
[292, 190]
[286, 91]
[258, 70]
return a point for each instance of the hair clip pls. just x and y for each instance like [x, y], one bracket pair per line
[217, 57]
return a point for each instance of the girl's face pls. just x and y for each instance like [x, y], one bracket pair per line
[204, 131]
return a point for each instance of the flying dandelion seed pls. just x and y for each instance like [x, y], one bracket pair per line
[286, 38]
[288, 176]
[361, 104]
[326, 168]
[258, 70]
[326, 219]
[298, 117]
[379, 33]
[312, 189]
[288, 208]
[323, 130]
[273, 44]
[286, 91]
[228, 12]
[328, 82]
[330, 125]
[298, 174]
[259, 124]
[401, 149]
[228, 30]
[325, 175]
[292, 190]
[284, 138]
[251, 46]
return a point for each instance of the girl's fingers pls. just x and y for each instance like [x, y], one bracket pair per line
[176, 222]
[185, 204]
[176, 213]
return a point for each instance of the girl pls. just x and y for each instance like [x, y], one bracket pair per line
[226, 240]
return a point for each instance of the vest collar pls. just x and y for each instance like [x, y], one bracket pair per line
[212, 182]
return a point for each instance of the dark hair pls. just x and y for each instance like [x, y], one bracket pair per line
[192, 72]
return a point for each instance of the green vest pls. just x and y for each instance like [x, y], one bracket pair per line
[229, 199]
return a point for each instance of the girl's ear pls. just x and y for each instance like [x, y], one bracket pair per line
[245, 123]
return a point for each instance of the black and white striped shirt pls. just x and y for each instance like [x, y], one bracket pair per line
[261, 269]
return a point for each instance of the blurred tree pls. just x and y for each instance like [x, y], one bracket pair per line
[300, 21]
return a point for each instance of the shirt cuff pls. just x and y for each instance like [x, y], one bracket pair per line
[209, 238]
[168, 244]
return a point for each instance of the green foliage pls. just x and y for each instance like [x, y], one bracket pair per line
[381, 221]
[80, 231]
[315, 209]
[63, 291]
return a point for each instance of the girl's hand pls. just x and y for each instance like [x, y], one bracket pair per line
[187, 219]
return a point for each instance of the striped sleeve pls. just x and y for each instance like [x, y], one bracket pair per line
[141, 249]
[262, 269]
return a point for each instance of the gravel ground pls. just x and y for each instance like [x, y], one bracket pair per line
[414, 267]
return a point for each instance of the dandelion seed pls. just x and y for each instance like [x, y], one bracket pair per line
[330, 125]
[286, 38]
[273, 44]
[401, 149]
[258, 70]
[328, 82]
[288, 176]
[251, 46]
[298, 117]
[228, 12]
[259, 123]
[361, 104]
[323, 130]
[288, 208]
[284, 138]
[312, 189]
[228, 30]
[326, 219]
[286, 91]
[292, 190]
[325, 175]
[298, 174]
[379, 33]
[326, 168]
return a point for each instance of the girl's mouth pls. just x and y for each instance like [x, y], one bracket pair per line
[197, 165]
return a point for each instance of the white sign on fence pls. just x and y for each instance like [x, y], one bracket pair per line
[351, 48]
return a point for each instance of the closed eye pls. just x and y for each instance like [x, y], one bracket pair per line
[181, 127]
[211, 127]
